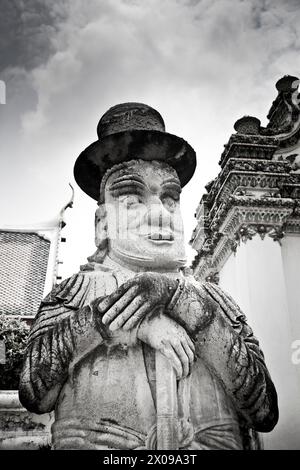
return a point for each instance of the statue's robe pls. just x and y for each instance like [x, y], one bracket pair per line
[102, 384]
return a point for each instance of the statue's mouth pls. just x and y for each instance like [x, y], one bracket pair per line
[161, 236]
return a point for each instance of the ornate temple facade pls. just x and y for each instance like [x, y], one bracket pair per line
[248, 240]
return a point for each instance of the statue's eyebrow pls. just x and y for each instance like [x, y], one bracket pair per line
[172, 183]
[134, 182]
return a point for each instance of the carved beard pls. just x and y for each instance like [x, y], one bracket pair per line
[166, 257]
[138, 243]
[130, 253]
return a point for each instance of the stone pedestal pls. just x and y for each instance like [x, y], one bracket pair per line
[19, 429]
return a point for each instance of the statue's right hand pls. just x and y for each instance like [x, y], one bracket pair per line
[165, 335]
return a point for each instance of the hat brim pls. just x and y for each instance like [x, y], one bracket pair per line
[97, 158]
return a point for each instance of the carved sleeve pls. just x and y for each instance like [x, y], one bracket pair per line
[60, 336]
[226, 343]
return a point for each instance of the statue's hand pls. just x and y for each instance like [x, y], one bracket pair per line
[141, 295]
[165, 335]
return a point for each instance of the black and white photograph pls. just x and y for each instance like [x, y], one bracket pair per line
[149, 228]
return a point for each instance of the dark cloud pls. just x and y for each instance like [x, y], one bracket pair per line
[26, 29]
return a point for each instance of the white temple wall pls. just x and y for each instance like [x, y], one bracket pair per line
[263, 278]
[291, 267]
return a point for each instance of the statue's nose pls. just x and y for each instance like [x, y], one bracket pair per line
[158, 216]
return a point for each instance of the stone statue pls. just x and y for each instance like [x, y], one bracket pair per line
[132, 352]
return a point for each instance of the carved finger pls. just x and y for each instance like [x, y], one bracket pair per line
[118, 305]
[128, 314]
[190, 343]
[141, 312]
[180, 352]
[170, 354]
[188, 352]
[108, 301]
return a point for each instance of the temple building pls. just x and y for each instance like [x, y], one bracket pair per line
[29, 269]
[248, 241]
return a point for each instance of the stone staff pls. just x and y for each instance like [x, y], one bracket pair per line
[166, 404]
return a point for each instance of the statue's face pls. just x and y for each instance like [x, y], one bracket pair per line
[144, 222]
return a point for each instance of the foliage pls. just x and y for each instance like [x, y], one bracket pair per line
[14, 333]
[45, 447]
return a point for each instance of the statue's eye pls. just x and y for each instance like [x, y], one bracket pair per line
[169, 202]
[131, 200]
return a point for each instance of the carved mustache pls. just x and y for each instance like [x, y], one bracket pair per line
[163, 235]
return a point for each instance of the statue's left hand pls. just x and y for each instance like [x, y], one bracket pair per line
[141, 295]
[169, 338]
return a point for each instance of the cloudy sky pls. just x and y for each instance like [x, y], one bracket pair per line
[201, 63]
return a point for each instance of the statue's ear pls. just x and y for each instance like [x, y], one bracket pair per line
[101, 239]
[100, 227]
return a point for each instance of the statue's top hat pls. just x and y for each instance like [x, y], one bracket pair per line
[131, 131]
